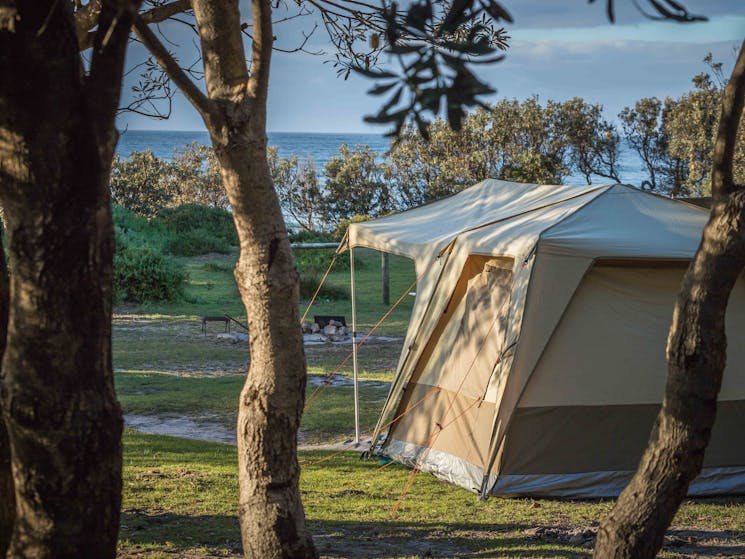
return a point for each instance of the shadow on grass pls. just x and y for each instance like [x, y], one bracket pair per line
[336, 539]
[142, 532]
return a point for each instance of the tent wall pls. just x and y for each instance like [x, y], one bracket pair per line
[444, 398]
[587, 411]
[509, 230]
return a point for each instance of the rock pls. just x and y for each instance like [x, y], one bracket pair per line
[576, 539]
[338, 338]
[306, 327]
[329, 330]
[315, 328]
[235, 337]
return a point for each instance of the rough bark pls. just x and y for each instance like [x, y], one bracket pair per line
[696, 353]
[57, 139]
[271, 403]
[7, 492]
[271, 513]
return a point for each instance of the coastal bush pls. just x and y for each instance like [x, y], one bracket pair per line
[315, 261]
[186, 218]
[305, 236]
[312, 263]
[141, 183]
[143, 274]
[197, 174]
[196, 242]
[341, 228]
[309, 284]
[131, 229]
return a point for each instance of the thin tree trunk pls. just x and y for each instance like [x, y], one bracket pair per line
[696, 353]
[62, 417]
[7, 492]
[271, 513]
[271, 403]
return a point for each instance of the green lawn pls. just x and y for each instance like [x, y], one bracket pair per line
[180, 496]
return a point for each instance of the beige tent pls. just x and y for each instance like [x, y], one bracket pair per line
[534, 363]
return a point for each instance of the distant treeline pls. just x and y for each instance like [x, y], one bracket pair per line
[523, 141]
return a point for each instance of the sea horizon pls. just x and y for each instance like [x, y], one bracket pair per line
[322, 146]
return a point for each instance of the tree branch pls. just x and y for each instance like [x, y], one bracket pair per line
[86, 18]
[261, 52]
[165, 11]
[190, 90]
[722, 180]
[104, 83]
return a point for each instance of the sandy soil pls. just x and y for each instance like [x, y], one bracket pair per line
[198, 428]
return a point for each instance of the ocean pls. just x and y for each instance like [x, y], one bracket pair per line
[321, 147]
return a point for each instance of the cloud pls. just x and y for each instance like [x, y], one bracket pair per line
[719, 28]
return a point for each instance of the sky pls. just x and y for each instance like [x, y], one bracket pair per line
[558, 49]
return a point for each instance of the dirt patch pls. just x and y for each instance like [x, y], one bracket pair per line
[342, 380]
[347, 444]
[201, 429]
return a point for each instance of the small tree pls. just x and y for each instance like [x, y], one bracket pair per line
[644, 131]
[297, 186]
[142, 183]
[675, 138]
[195, 173]
[355, 185]
[593, 141]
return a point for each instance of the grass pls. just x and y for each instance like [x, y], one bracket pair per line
[181, 496]
[212, 290]
[370, 306]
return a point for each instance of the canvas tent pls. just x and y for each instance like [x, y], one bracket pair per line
[534, 363]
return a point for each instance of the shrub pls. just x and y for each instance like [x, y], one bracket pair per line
[312, 264]
[190, 217]
[343, 225]
[309, 284]
[142, 274]
[196, 242]
[134, 230]
[314, 261]
[141, 183]
[305, 236]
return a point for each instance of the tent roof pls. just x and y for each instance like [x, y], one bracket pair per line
[596, 221]
[432, 226]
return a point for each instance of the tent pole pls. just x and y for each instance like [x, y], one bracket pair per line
[354, 351]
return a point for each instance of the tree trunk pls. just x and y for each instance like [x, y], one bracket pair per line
[696, 353]
[56, 143]
[7, 492]
[271, 403]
